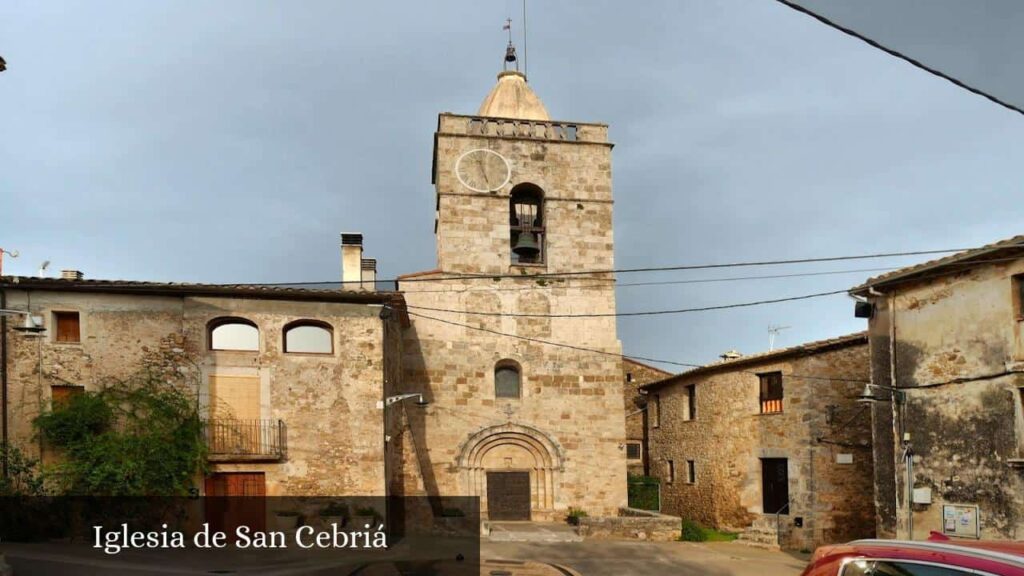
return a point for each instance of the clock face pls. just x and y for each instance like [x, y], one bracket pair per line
[483, 170]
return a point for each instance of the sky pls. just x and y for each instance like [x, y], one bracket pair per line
[232, 141]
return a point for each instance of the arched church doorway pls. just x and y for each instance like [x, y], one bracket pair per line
[514, 469]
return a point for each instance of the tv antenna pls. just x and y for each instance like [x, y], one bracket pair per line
[773, 331]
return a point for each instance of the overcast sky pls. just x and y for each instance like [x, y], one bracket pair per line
[232, 141]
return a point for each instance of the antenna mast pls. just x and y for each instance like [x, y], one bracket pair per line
[773, 331]
[524, 41]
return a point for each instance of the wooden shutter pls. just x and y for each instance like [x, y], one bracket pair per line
[60, 395]
[68, 328]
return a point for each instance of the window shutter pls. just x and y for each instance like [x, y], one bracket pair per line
[775, 386]
[68, 328]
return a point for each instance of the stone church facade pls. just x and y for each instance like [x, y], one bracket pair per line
[525, 410]
[530, 428]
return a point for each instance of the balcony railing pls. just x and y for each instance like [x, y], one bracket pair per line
[245, 440]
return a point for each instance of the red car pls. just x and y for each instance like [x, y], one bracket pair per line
[938, 556]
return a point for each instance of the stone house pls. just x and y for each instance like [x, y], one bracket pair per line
[634, 375]
[948, 336]
[525, 410]
[287, 379]
[772, 445]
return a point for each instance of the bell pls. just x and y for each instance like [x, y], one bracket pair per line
[526, 246]
[510, 53]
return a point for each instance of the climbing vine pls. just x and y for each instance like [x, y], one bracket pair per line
[142, 436]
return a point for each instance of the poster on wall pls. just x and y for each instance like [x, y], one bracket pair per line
[961, 520]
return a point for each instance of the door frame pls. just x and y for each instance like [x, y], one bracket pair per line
[780, 463]
[529, 490]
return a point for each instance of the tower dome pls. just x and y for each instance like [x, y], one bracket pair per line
[512, 97]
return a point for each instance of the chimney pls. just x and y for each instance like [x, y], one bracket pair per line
[369, 274]
[730, 355]
[351, 260]
[71, 275]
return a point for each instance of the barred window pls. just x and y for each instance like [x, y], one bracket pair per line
[634, 450]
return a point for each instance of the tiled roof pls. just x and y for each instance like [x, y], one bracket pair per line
[647, 366]
[420, 273]
[806, 349]
[254, 291]
[941, 265]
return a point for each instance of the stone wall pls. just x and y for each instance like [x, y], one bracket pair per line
[634, 375]
[327, 402]
[632, 524]
[960, 354]
[819, 427]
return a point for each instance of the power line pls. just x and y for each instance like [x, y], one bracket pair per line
[899, 55]
[610, 283]
[701, 309]
[548, 275]
[605, 352]
[622, 314]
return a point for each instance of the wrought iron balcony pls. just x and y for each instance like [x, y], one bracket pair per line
[230, 440]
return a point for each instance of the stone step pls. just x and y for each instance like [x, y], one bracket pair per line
[762, 545]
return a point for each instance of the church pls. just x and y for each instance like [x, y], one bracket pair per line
[496, 374]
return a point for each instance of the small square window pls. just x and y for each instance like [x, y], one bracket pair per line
[634, 451]
[68, 328]
[62, 394]
[771, 392]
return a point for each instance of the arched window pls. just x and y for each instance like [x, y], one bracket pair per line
[309, 337]
[231, 333]
[507, 379]
[526, 224]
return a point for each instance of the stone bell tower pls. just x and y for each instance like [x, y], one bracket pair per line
[511, 163]
[526, 405]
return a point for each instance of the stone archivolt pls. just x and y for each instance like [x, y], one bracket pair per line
[512, 447]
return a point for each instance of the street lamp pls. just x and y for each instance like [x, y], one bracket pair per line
[29, 326]
[394, 399]
[868, 397]
[11, 253]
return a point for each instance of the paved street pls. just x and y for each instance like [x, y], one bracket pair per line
[588, 558]
[607, 558]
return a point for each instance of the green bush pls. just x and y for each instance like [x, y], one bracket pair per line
[335, 509]
[693, 532]
[23, 475]
[574, 515]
